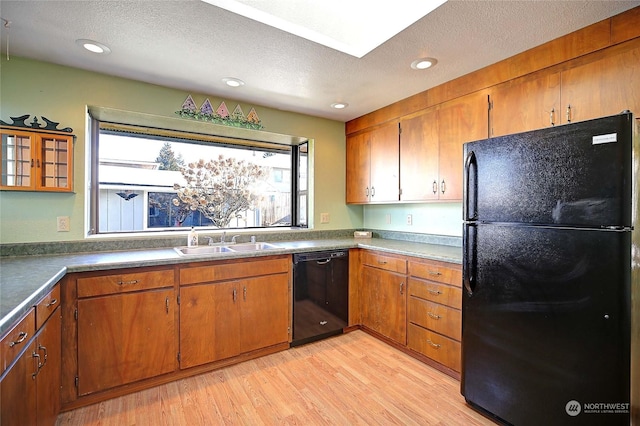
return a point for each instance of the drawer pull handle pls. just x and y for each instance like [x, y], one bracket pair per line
[128, 282]
[21, 338]
[435, 292]
[435, 345]
[44, 349]
[434, 316]
[382, 262]
[51, 303]
[37, 358]
[436, 273]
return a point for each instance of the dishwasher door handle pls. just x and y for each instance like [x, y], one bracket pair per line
[323, 262]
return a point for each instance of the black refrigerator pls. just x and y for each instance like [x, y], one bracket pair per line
[546, 312]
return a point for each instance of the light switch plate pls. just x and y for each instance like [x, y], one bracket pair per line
[324, 217]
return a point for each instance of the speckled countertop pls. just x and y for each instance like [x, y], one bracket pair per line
[26, 279]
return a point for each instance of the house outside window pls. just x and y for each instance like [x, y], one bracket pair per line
[150, 182]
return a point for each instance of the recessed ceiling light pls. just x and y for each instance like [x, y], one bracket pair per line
[423, 63]
[339, 105]
[93, 46]
[233, 82]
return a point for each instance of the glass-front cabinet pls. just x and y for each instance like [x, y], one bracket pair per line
[36, 161]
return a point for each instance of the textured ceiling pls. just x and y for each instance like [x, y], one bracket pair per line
[191, 45]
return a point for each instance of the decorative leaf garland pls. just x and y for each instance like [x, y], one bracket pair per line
[221, 115]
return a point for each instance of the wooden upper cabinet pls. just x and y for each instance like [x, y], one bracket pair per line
[527, 103]
[461, 120]
[385, 163]
[603, 87]
[373, 165]
[419, 149]
[36, 161]
[358, 169]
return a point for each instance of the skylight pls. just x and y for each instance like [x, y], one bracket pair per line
[354, 27]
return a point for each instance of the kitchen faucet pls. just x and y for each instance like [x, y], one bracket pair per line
[233, 239]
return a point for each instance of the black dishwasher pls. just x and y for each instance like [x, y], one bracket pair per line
[320, 295]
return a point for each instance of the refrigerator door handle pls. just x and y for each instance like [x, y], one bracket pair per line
[470, 199]
[470, 258]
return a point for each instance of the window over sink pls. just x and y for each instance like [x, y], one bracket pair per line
[151, 179]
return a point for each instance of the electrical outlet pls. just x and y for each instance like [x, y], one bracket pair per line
[324, 217]
[388, 218]
[409, 219]
[63, 224]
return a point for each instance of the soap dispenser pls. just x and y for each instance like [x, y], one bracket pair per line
[192, 240]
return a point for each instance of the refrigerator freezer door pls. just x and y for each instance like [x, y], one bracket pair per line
[546, 323]
[576, 175]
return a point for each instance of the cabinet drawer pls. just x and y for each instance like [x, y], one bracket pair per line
[437, 347]
[46, 306]
[17, 338]
[124, 282]
[237, 269]
[433, 316]
[435, 292]
[383, 261]
[433, 270]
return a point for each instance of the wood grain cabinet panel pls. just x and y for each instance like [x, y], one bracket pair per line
[603, 87]
[235, 308]
[434, 311]
[372, 158]
[36, 161]
[527, 103]
[124, 338]
[464, 119]
[383, 296]
[419, 157]
[30, 385]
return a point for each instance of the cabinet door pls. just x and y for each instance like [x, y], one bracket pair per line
[385, 303]
[197, 325]
[525, 104]
[124, 338]
[227, 320]
[419, 157]
[16, 160]
[49, 371]
[54, 163]
[385, 163]
[601, 88]
[462, 120]
[18, 391]
[358, 172]
[264, 311]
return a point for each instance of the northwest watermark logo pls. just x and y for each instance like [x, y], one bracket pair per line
[574, 408]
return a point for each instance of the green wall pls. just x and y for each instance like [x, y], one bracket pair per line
[62, 94]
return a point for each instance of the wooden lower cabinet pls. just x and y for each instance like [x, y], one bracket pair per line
[222, 320]
[434, 311]
[124, 338]
[30, 385]
[415, 303]
[383, 295]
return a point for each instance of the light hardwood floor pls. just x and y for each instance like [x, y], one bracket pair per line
[351, 379]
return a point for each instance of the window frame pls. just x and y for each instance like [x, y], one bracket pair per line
[186, 131]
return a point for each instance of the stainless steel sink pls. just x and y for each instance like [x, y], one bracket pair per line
[253, 247]
[202, 250]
